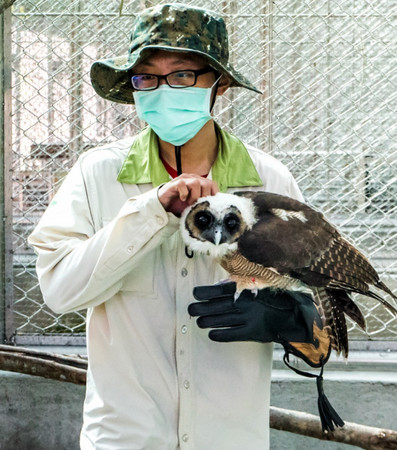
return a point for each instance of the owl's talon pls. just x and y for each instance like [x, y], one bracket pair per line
[236, 295]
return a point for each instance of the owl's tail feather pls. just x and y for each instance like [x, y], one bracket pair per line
[338, 325]
[381, 285]
[333, 319]
[348, 306]
[339, 285]
[384, 302]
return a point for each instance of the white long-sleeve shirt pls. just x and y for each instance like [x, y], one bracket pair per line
[155, 380]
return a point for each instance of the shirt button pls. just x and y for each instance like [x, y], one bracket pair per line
[130, 249]
[184, 329]
[185, 438]
[184, 272]
[186, 384]
[159, 220]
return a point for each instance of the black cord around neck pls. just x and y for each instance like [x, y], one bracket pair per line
[214, 97]
[178, 159]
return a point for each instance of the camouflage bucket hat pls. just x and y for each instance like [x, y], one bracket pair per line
[173, 27]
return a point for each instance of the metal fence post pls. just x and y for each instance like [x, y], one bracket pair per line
[5, 167]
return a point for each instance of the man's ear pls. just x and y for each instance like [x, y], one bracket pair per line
[223, 85]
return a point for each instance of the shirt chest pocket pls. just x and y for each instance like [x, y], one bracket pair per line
[142, 279]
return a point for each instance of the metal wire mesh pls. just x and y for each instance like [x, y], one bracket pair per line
[328, 70]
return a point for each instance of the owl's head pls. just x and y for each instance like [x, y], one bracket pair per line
[214, 224]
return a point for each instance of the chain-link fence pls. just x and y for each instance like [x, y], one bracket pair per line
[328, 70]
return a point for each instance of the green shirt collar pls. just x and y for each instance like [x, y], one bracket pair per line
[233, 166]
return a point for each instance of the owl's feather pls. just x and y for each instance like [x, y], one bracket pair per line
[333, 305]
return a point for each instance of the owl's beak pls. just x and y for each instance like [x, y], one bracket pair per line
[217, 234]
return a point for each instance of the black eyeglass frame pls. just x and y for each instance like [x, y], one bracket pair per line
[196, 73]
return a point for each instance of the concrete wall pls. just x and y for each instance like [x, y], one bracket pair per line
[40, 414]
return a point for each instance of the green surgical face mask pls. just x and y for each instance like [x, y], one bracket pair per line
[175, 115]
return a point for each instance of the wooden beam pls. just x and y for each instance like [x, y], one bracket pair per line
[362, 436]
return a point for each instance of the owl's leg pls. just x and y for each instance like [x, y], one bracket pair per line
[238, 290]
[243, 283]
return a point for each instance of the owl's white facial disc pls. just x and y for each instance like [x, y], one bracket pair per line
[214, 224]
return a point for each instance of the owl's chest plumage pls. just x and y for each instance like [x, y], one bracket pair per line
[250, 275]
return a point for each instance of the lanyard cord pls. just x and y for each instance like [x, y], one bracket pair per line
[178, 147]
[178, 159]
[179, 163]
[179, 170]
[214, 98]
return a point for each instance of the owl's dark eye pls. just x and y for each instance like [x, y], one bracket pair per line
[232, 222]
[203, 220]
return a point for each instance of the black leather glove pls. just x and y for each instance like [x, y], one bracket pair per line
[272, 315]
[290, 318]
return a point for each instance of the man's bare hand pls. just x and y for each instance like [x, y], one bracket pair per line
[183, 191]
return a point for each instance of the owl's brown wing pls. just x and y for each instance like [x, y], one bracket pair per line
[288, 235]
[343, 268]
[298, 241]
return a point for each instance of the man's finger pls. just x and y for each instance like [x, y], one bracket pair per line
[209, 308]
[233, 334]
[194, 186]
[215, 291]
[214, 188]
[206, 189]
[231, 319]
[183, 191]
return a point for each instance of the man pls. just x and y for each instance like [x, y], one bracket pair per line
[109, 242]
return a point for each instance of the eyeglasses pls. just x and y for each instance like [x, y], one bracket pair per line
[178, 79]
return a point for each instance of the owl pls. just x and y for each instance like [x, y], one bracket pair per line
[266, 240]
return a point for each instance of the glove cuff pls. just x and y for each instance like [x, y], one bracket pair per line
[315, 353]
